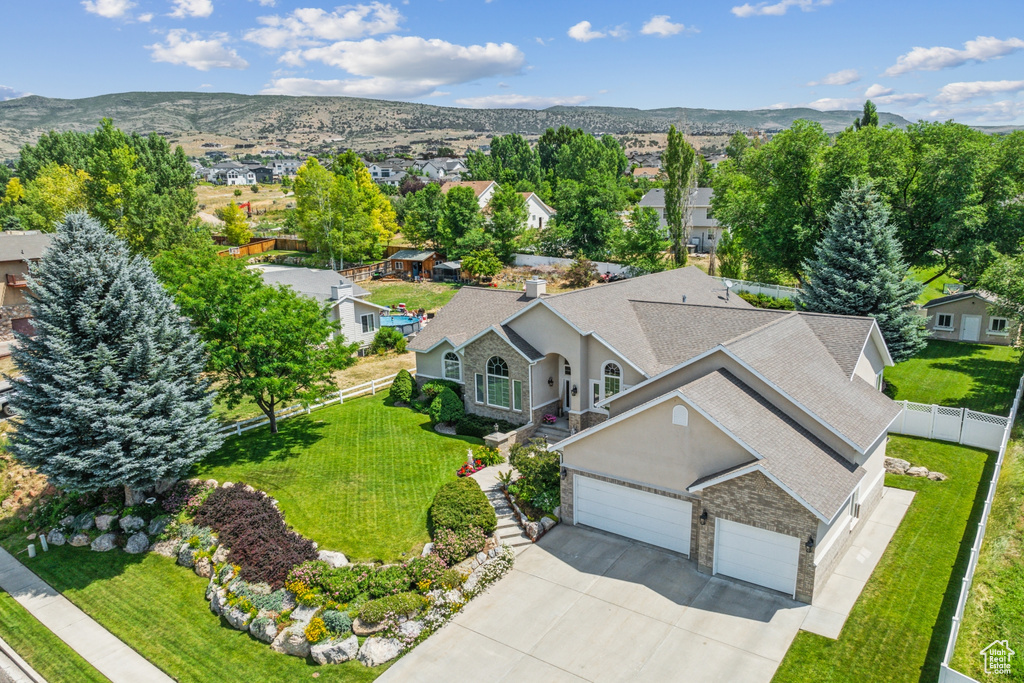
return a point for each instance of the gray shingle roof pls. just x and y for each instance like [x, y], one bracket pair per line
[700, 196]
[21, 246]
[311, 282]
[471, 310]
[412, 255]
[844, 336]
[798, 459]
[967, 294]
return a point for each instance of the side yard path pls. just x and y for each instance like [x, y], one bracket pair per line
[95, 644]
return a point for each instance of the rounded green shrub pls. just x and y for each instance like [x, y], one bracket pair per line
[391, 607]
[446, 407]
[461, 504]
[436, 386]
[388, 581]
[336, 622]
[401, 388]
[388, 339]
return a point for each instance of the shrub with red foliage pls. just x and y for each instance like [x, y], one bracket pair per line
[260, 541]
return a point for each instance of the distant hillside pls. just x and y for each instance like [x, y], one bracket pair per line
[309, 121]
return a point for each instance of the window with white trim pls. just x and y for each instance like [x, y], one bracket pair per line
[479, 388]
[566, 369]
[369, 322]
[497, 382]
[452, 366]
[399, 265]
[612, 376]
[997, 325]
[517, 395]
[680, 416]
[944, 321]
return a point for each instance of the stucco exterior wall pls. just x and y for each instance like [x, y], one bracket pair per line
[13, 296]
[972, 306]
[474, 361]
[871, 364]
[544, 395]
[648, 447]
[428, 364]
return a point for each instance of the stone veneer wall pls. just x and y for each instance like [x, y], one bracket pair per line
[9, 313]
[755, 500]
[835, 553]
[475, 361]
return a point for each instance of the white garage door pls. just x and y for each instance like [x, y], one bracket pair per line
[756, 555]
[647, 517]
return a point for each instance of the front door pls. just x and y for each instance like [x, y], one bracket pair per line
[970, 327]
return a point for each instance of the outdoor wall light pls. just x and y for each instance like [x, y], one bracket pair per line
[704, 518]
[564, 473]
[810, 544]
[551, 381]
[574, 390]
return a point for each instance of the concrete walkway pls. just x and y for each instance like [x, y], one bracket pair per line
[508, 530]
[95, 644]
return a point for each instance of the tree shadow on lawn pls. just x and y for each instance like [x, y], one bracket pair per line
[294, 437]
[70, 568]
[943, 623]
[993, 385]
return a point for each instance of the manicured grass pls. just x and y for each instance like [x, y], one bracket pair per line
[45, 652]
[933, 290]
[430, 296]
[982, 378]
[995, 608]
[357, 477]
[159, 609]
[898, 628]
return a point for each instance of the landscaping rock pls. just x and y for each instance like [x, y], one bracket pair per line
[917, 472]
[376, 651]
[164, 485]
[335, 651]
[204, 568]
[67, 521]
[227, 485]
[103, 522]
[218, 601]
[533, 530]
[56, 537]
[937, 476]
[137, 543]
[454, 595]
[157, 526]
[547, 523]
[103, 543]
[132, 523]
[291, 641]
[333, 558]
[186, 556]
[288, 602]
[302, 615]
[896, 466]
[361, 628]
[220, 555]
[481, 558]
[427, 549]
[445, 428]
[238, 619]
[212, 483]
[168, 548]
[248, 489]
[411, 629]
[84, 522]
[557, 512]
[263, 630]
[79, 540]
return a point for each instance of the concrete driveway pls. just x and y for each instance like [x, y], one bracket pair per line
[582, 605]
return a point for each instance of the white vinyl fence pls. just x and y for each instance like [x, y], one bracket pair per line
[777, 291]
[532, 260]
[946, 674]
[960, 425]
[371, 387]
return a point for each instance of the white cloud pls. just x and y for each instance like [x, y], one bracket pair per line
[877, 90]
[188, 49]
[355, 87]
[776, 9]
[111, 9]
[9, 93]
[981, 49]
[584, 32]
[844, 77]
[267, 3]
[834, 103]
[1006, 111]
[206, 86]
[311, 26]
[519, 101]
[659, 25]
[191, 8]
[146, 18]
[961, 92]
[907, 99]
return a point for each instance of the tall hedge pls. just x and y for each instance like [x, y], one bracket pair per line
[446, 407]
[461, 504]
[401, 388]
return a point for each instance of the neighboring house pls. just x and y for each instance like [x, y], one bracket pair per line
[239, 176]
[411, 264]
[17, 249]
[263, 174]
[483, 189]
[359, 318]
[750, 440]
[540, 213]
[969, 316]
[649, 172]
[431, 168]
[449, 271]
[287, 167]
[199, 172]
[704, 229]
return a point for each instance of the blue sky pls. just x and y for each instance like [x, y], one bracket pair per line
[932, 60]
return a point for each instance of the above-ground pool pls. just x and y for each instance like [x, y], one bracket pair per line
[408, 324]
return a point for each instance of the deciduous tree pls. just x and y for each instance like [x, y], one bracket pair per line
[236, 225]
[680, 179]
[642, 244]
[508, 217]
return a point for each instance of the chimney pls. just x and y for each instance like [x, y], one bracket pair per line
[535, 287]
[340, 290]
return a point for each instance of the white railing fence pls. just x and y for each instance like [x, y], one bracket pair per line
[371, 387]
[946, 674]
[777, 291]
[960, 425]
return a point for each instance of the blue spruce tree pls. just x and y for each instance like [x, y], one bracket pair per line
[858, 269]
[114, 393]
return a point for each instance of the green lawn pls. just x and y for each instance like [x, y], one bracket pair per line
[933, 290]
[159, 609]
[430, 296]
[356, 477]
[995, 608]
[982, 378]
[897, 631]
[45, 652]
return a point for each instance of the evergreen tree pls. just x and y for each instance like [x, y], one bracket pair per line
[868, 118]
[679, 172]
[114, 393]
[858, 269]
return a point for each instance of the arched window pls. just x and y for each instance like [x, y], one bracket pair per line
[567, 369]
[497, 382]
[452, 367]
[680, 416]
[612, 379]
